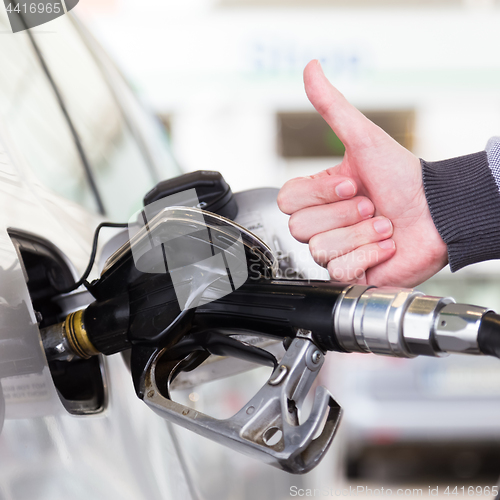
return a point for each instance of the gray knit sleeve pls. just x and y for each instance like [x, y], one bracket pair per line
[464, 202]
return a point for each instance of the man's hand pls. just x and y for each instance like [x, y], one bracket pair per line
[383, 236]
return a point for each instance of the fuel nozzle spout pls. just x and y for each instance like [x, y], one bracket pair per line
[68, 340]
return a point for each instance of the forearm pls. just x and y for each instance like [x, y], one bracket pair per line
[464, 201]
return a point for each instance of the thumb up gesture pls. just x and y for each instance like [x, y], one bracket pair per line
[366, 219]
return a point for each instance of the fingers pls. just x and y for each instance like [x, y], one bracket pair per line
[330, 245]
[308, 222]
[353, 266]
[345, 237]
[304, 192]
[350, 125]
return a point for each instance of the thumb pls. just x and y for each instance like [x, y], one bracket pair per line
[350, 125]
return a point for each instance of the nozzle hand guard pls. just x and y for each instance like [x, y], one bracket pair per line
[267, 427]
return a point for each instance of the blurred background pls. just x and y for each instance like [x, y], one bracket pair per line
[225, 78]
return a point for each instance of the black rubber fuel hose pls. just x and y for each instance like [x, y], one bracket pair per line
[489, 334]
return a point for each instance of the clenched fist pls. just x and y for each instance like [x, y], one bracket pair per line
[367, 219]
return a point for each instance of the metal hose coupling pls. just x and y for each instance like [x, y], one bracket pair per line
[69, 339]
[405, 323]
[77, 335]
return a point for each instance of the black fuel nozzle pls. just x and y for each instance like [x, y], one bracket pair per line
[154, 296]
[188, 281]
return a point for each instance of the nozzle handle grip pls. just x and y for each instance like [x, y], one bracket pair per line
[277, 308]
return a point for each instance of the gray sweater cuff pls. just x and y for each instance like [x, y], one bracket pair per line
[464, 202]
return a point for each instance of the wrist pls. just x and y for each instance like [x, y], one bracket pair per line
[464, 204]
